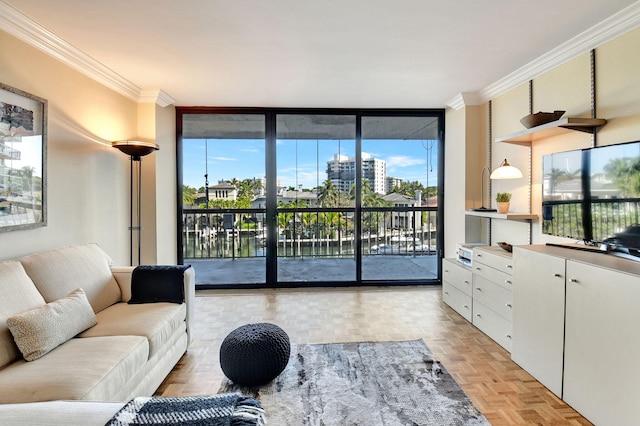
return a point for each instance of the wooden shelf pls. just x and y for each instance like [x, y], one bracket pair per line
[503, 216]
[527, 136]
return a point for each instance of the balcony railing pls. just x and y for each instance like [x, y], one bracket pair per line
[309, 232]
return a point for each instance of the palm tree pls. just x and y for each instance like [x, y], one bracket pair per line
[188, 195]
[308, 219]
[328, 194]
[283, 222]
[331, 221]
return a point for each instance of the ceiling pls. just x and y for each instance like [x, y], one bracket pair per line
[293, 53]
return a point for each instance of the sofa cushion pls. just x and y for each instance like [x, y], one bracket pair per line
[42, 329]
[58, 272]
[156, 321]
[17, 294]
[59, 413]
[92, 369]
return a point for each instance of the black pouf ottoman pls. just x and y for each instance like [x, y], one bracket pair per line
[255, 354]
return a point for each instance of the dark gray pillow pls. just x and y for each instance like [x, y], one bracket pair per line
[158, 283]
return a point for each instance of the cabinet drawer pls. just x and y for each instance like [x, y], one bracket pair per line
[489, 273]
[497, 298]
[460, 302]
[457, 275]
[492, 324]
[501, 262]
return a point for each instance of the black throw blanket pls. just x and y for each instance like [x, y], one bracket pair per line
[229, 409]
[158, 283]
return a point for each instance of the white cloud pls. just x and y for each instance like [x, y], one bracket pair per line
[403, 161]
[224, 158]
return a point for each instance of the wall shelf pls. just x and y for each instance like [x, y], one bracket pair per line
[503, 216]
[527, 136]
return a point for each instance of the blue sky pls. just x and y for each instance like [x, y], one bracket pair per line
[302, 162]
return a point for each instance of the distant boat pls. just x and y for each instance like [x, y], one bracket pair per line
[386, 249]
[401, 249]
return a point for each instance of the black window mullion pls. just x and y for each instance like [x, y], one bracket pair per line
[271, 203]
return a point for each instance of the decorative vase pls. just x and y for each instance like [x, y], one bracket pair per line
[503, 207]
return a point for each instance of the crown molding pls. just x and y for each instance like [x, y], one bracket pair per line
[616, 25]
[464, 99]
[155, 96]
[19, 25]
[24, 28]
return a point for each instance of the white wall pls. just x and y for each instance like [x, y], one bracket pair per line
[88, 180]
[567, 87]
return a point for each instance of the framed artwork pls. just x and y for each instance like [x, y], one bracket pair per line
[23, 160]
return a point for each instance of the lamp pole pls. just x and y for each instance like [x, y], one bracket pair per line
[136, 150]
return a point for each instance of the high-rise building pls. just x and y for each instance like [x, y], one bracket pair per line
[392, 182]
[342, 172]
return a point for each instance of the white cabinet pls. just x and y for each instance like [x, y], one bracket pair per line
[575, 328]
[456, 287]
[492, 295]
[482, 294]
[602, 344]
[538, 317]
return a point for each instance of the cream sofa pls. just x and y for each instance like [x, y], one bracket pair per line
[127, 353]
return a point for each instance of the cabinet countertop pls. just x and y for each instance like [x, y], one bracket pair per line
[495, 250]
[600, 259]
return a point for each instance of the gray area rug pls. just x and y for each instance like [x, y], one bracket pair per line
[373, 384]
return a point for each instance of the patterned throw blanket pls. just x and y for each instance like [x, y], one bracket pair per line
[229, 409]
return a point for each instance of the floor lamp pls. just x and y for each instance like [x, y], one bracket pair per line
[135, 150]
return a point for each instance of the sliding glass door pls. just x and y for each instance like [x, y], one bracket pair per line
[283, 197]
[399, 197]
[316, 210]
[223, 197]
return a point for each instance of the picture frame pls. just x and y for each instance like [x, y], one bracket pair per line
[23, 160]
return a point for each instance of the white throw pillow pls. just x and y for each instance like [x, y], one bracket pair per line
[38, 331]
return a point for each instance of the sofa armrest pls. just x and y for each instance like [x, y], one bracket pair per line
[123, 275]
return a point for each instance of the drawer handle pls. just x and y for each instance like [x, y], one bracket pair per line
[478, 315]
[508, 336]
[466, 306]
[557, 275]
[508, 305]
[446, 270]
[509, 266]
[478, 289]
[478, 254]
[573, 280]
[477, 268]
[466, 281]
[507, 282]
[446, 292]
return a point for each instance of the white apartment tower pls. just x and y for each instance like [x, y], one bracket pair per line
[342, 172]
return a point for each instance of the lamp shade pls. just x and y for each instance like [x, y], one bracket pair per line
[506, 171]
[135, 148]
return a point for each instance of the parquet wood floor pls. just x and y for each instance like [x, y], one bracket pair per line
[504, 393]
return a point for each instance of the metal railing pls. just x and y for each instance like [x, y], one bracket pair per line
[309, 232]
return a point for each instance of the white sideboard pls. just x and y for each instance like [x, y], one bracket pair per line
[538, 320]
[482, 293]
[456, 287]
[575, 326]
[492, 294]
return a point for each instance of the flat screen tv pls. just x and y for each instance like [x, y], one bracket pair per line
[593, 195]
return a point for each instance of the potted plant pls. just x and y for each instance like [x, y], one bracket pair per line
[503, 199]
